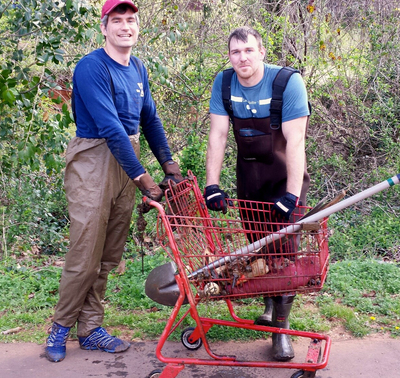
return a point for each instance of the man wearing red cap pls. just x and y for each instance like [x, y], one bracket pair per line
[111, 97]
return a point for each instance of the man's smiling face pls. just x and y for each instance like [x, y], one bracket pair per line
[122, 30]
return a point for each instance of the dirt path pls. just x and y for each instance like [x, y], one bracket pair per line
[370, 357]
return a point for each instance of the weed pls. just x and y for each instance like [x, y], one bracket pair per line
[33, 218]
[370, 286]
[307, 317]
[27, 289]
[352, 322]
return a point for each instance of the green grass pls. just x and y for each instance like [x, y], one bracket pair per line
[355, 234]
[369, 286]
[361, 295]
[364, 295]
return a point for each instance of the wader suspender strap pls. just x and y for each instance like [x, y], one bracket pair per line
[278, 87]
[226, 91]
[137, 64]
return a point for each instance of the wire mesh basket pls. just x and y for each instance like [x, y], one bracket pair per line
[242, 253]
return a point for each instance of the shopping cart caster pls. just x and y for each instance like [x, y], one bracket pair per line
[185, 339]
[304, 374]
[155, 373]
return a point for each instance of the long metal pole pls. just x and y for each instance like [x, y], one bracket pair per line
[257, 245]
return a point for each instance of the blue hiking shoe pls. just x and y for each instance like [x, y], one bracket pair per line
[99, 339]
[55, 343]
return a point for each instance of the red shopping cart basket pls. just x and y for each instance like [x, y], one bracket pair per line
[240, 254]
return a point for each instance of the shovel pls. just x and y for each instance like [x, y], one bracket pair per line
[161, 285]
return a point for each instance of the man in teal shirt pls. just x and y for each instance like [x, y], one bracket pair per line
[271, 163]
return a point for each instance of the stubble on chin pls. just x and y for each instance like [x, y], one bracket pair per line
[244, 74]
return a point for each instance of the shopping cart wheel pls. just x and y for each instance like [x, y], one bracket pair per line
[155, 373]
[304, 374]
[185, 339]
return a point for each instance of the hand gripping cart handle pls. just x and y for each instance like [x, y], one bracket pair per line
[242, 254]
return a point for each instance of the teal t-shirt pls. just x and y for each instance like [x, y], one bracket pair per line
[248, 102]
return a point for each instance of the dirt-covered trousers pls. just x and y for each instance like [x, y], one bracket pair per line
[100, 202]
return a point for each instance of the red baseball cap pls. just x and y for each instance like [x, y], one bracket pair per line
[110, 5]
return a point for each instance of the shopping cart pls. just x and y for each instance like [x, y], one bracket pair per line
[229, 258]
[241, 254]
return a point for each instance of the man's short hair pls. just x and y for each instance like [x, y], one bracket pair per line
[121, 9]
[242, 34]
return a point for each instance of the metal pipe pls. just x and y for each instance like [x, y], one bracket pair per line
[257, 245]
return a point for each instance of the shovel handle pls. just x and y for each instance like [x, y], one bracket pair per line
[257, 245]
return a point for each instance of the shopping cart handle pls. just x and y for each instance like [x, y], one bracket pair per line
[157, 205]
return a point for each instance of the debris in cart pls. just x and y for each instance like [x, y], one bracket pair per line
[238, 256]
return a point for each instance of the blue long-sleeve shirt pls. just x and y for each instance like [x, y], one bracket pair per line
[102, 114]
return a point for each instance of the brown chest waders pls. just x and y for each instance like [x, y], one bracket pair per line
[261, 161]
[262, 176]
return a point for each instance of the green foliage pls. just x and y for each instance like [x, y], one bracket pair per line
[353, 88]
[26, 290]
[357, 325]
[194, 158]
[35, 38]
[39, 42]
[355, 235]
[127, 290]
[364, 294]
[34, 215]
[305, 316]
[370, 286]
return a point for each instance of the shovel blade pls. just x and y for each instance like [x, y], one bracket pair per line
[161, 285]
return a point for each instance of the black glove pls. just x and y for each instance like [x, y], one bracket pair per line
[148, 187]
[215, 198]
[172, 172]
[284, 206]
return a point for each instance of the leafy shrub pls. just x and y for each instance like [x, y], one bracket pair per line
[35, 214]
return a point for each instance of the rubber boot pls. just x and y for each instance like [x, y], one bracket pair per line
[281, 344]
[266, 318]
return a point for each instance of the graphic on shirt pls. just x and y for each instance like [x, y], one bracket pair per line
[140, 85]
[250, 105]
